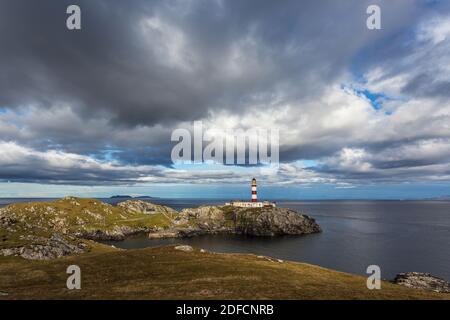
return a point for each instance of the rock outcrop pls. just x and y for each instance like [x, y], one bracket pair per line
[249, 221]
[119, 233]
[55, 247]
[204, 219]
[423, 281]
[273, 222]
[139, 206]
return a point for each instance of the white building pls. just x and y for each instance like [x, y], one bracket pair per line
[249, 204]
[254, 203]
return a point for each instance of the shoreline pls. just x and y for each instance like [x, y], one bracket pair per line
[25, 225]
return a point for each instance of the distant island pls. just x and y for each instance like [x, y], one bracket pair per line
[130, 197]
[442, 198]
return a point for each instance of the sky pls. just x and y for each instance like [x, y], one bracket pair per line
[361, 113]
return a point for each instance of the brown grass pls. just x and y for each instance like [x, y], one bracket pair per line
[166, 273]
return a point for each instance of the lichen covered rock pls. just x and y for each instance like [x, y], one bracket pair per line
[55, 247]
[423, 281]
[273, 222]
[249, 221]
[139, 206]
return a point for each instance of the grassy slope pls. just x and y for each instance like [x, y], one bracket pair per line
[89, 213]
[166, 273]
[70, 216]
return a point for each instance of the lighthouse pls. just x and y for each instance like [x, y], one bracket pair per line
[254, 196]
[253, 203]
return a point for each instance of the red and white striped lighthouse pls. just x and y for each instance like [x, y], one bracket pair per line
[254, 197]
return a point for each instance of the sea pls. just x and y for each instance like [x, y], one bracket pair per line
[398, 236]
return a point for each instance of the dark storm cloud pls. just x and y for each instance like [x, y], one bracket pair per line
[425, 84]
[111, 70]
[37, 173]
[110, 66]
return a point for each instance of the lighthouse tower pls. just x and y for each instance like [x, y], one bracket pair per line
[254, 197]
[254, 203]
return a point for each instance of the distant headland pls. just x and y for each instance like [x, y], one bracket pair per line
[119, 196]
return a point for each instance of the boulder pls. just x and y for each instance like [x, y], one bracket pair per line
[55, 247]
[185, 248]
[6, 221]
[423, 281]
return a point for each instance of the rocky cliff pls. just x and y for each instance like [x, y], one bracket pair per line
[273, 222]
[248, 221]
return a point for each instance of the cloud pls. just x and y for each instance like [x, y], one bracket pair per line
[27, 165]
[98, 106]
[436, 30]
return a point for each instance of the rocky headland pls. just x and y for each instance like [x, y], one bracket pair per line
[47, 230]
[248, 221]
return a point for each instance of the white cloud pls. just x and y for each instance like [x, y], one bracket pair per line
[435, 30]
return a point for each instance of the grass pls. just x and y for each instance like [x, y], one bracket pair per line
[72, 215]
[166, 273]
[85, 213]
